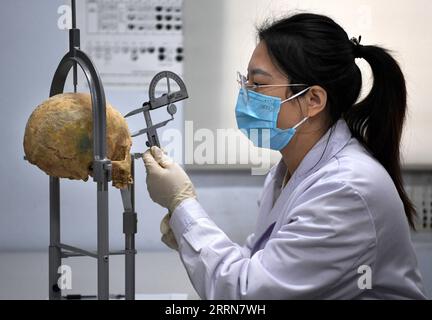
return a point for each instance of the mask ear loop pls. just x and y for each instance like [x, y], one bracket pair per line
[292, 98]
[300, 123]
[296, 95]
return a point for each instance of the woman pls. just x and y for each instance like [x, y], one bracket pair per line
[334, 217]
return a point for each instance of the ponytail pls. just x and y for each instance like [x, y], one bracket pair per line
[313, 49]
[377, 121]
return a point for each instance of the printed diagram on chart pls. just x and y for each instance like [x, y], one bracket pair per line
[130, 41]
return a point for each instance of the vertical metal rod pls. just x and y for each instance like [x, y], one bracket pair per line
[75, 67]
[133, 184]
[73, 6]
[99, 129]
[54, 254]
[103, 240]
[75, 77]
[130, 243]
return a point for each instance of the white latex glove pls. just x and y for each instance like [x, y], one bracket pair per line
[167, 183]
[167, 234]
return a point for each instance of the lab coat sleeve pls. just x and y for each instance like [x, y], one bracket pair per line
[318, 249]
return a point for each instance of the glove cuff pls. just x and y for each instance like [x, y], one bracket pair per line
[176, 202]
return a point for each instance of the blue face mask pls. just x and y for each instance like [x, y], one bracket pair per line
[258, 112]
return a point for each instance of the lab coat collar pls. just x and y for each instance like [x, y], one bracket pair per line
[326, 148]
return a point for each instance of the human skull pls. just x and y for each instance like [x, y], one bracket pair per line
[59, 139]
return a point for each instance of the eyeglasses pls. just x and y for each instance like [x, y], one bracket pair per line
[243, 83]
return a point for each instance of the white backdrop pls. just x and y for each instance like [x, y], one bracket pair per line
[221, 37]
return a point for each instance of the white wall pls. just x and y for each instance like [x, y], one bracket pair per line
[221, 37]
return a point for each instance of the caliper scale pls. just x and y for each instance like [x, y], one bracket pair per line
[166, 99]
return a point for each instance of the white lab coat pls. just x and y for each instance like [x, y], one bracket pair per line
[339, 211]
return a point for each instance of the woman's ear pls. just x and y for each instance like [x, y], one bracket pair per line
[316, 100]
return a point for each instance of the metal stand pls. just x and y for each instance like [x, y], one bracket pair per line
[101, 175]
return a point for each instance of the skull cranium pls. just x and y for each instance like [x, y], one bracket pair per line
[59, 140]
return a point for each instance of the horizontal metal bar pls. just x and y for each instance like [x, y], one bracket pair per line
[77, 250]
[117, 253]
[121, 252]
[67, 254]
[71, 254]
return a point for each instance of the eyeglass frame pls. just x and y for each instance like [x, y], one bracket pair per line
[241, 79]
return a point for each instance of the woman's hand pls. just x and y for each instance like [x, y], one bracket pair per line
[167, 183]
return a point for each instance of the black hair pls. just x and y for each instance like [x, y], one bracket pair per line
[315, 50]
